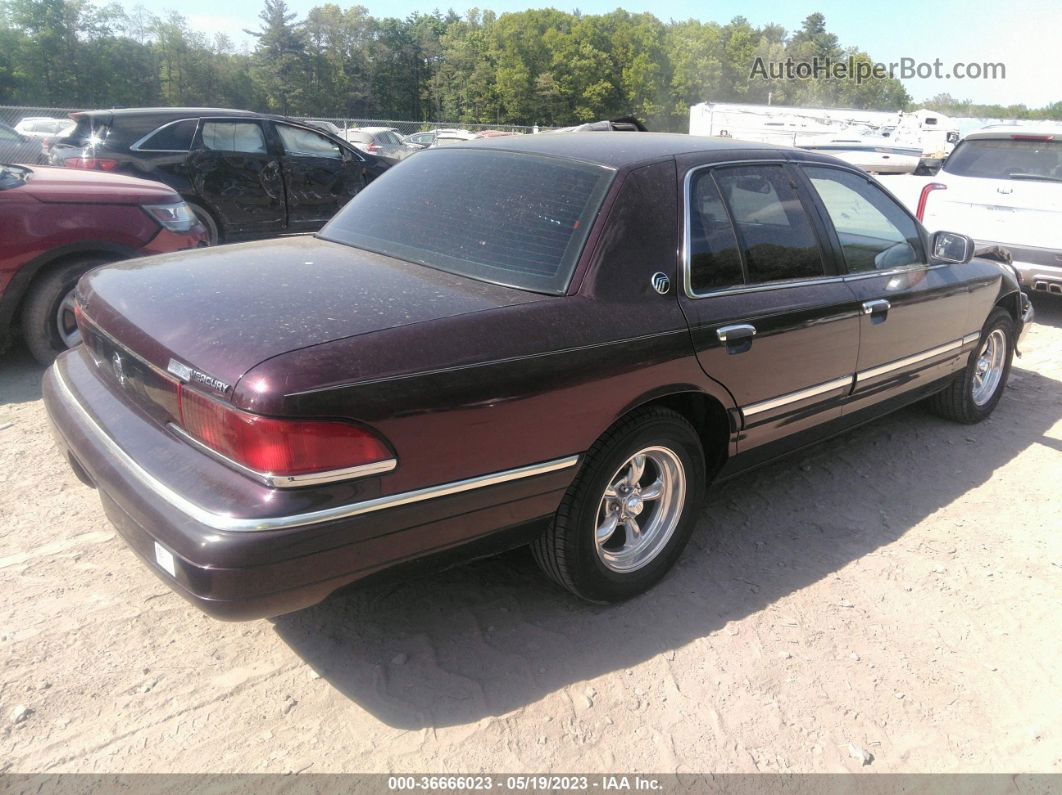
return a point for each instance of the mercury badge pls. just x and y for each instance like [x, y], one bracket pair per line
[192, 376]
[119, 368]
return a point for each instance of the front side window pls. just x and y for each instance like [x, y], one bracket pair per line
[874, 232]
[234, 136]
[774, 231]
[173, 137]
[514, 219]
[9, 135]
[303, 142]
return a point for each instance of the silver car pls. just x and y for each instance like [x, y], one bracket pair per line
[17, 148]
[383, 142]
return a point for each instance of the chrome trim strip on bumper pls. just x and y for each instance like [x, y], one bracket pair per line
[793, 397]
[907, 361]
[289, 481]
[227, 523]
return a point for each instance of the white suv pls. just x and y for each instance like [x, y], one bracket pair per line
[1002, 186]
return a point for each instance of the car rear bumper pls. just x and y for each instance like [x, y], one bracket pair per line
[242, 567]
[1040, 268]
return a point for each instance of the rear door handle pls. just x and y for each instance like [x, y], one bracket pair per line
[878, 307]
[736, 338]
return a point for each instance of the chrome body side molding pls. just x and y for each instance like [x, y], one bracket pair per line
[227, 523]
[795, 397]
[907, 361]
[863, 375]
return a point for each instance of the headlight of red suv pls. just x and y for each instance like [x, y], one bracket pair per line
[177, 217]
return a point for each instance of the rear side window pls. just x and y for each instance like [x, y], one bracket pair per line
[173, 137]
[1007, 158]
[9, 135]
[234, 136]
[774, 231]
[303, 142]
[513, 219]
[713, 248]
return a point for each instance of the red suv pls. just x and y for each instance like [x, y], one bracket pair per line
[59, 223]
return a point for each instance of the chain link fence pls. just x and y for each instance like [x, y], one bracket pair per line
[30, 117]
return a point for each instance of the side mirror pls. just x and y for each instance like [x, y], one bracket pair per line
[951, 247]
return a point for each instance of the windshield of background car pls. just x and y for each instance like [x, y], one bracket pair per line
[514, 219]
[1007, 158]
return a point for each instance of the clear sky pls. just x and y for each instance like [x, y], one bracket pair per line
[1026, 35]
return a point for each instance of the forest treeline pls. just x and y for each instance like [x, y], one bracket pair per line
[541, 66]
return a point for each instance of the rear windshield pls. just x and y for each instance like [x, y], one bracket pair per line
[86, 133]
[513, 219]
[1007, 159]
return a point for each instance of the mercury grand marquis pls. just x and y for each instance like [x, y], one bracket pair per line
[554, 340]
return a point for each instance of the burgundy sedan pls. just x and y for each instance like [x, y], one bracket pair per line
[57, 224]
[557, 340]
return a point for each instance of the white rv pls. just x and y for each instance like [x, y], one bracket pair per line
[882, 142]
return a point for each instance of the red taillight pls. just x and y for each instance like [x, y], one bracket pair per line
[373, 148]
[924, 197]
[274, 446]
[91, 163]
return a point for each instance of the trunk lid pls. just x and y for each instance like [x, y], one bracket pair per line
[1025, 212]
[219, 312]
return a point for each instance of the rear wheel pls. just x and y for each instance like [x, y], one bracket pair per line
[974, 393]
[48, 322]
[630, 512]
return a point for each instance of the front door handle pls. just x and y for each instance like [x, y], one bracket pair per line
[878, 310]
[736, 338]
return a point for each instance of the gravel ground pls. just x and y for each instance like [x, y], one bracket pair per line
[895, 591]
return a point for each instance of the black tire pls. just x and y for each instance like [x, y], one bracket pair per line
[40, 312]
[207, 220]
[956, 402]
[567, 551]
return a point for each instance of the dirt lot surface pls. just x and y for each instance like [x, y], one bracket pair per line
[895, 591]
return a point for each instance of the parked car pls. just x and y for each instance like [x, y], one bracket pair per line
[17, 148]
[57, 225]
[383, 142]
[245, 175]
[421, 140]
[44, 127]
[443, 136]
[327, 126]
[552, 339]
[1003, 186]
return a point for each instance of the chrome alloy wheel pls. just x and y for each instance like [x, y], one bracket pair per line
[66, 323]
[640, 509]
[988, 369]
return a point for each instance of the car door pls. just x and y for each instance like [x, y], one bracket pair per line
[236, 174]
[320, 176]
[770, 316]
[913, 313]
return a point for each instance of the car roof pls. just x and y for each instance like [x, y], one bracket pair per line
[1011, 130]
[617, 149]
[175, 112]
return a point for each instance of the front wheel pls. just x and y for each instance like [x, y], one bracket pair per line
[976, 391]
[630, 511]
[48, 322]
